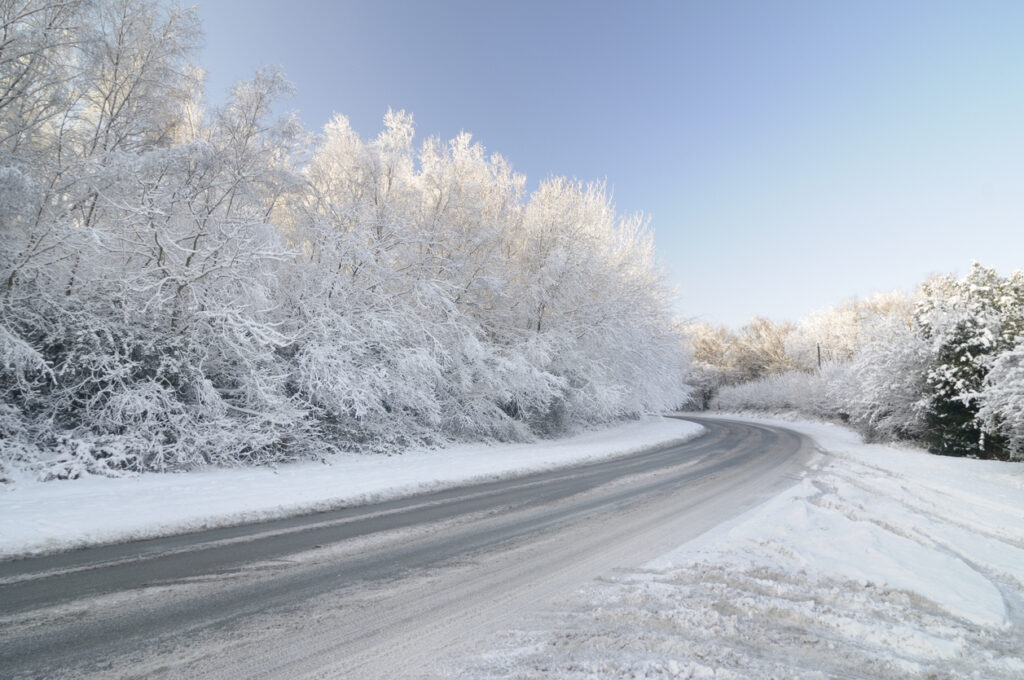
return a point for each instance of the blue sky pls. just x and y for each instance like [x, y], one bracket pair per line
[790, 154]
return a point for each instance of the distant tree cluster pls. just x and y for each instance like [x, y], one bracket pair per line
[182, 286]
[944, 366]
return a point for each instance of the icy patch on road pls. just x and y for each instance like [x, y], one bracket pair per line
[884, 562]
[37, 517]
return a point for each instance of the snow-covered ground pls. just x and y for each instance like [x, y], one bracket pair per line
[38, 517]
[883, 562]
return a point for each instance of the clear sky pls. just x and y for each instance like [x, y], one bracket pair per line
[792, 154]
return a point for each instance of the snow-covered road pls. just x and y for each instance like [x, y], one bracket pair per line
[44, 517]
[883, 563]
[413, 597]
[763, 549]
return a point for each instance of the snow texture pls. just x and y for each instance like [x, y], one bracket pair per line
[882, 562]
[38, 517]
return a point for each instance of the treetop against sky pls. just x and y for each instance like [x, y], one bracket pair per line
[791, 154]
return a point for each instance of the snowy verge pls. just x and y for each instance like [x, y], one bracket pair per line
[38, 517]
[883, 562]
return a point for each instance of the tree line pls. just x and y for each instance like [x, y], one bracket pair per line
[943, 366]
[184, 285]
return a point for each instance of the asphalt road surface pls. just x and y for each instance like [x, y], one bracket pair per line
[404, 589]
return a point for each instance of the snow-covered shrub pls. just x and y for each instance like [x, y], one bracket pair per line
[809, 392]
[1002, 400]
[882, 387]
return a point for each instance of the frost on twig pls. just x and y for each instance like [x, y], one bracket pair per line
[183, 286]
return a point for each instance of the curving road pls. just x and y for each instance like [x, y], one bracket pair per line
[408, 588]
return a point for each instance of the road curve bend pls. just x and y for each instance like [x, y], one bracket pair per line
[406, 588]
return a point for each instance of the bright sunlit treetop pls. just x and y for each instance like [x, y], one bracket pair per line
[791, 154]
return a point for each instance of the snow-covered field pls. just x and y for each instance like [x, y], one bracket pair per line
[38, 517]
[883, 562]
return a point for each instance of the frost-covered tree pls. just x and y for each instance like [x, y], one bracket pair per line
[941, 366]
[182, 286]
[882, 387]
[966, 322]
[495, 303]
[759, 349]
[588, 284]
[835, 334]
[110, 79]
[1002, 400]
[709, 367]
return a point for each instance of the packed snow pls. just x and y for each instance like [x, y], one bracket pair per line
[38, 517]
[882, 562]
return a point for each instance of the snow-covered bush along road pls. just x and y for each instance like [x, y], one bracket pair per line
[184, 286]
[941, 367]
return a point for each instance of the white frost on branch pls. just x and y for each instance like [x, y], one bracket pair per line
[182, 286]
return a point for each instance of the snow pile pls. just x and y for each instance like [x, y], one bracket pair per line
[42, 517]
[882, 563]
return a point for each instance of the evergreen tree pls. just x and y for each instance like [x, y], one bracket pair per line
[968, 322]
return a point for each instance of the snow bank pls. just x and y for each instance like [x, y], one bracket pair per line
[883, 562]
[40, 517]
